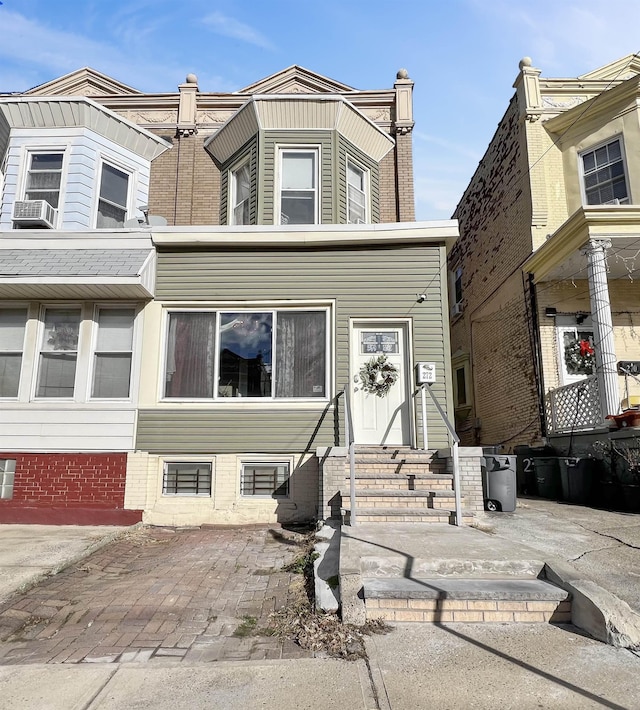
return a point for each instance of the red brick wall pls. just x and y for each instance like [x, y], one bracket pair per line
[69, 488]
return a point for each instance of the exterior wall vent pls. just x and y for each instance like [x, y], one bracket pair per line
[34, 213]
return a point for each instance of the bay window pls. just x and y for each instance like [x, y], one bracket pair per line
[603, 173]
[44, 177]
[356, 194]
[246, 354]
[240, 193]
[113, 197]
[298, 186]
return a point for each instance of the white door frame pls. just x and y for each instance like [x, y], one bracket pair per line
[405, 325]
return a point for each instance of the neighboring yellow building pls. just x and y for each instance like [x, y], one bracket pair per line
[545, 307]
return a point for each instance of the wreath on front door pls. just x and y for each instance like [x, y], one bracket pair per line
[580, 357]
[378, 376]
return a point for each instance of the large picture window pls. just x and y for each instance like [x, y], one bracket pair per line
[298, 186]
[253, 354]
[12, 327]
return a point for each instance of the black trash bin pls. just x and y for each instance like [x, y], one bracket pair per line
[577, 476]
[547, 469]
[525, 472]
[499, 481]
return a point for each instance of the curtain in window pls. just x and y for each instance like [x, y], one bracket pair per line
[190, 355]
[300, 352]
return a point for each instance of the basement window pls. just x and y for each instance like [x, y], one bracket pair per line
[7, 475]
[187, 478]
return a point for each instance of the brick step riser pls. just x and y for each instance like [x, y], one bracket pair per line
[468, 611]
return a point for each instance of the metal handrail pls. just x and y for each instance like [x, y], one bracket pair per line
[350, 441]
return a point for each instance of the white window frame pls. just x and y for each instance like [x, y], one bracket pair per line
[95, 325]
[593, 149]
[281, 150]
[232, 191]
[189, 460]
[265, 461]
[563, 326]
[44, 307]
[131, 188]
[254, 307]
[30, 152]
[7, 478]
[17, 307]
[366, 191]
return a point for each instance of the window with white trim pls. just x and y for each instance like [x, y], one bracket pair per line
[58, 352]
[240, 186]
[456, 291]
[357, 193]
[604, 175]
[576, 351]
[265, 479]
[44, 177]
[113, 353]
[12, 330]
[7, 476]
[279, 353]
[298, 179]
[113, 197]
[187, 478]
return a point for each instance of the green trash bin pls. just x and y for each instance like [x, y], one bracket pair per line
[548, 481]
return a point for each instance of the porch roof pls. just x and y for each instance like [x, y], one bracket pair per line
[560, 257]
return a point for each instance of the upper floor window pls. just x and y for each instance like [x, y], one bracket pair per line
[239, 354]
[113, 198]
[240, 192]
[604, 176]
[12, 328]
[356, 194]
[456, 291]
[44, 177]
[298, 186]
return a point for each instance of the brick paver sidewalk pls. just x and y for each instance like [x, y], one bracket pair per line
[158, 593]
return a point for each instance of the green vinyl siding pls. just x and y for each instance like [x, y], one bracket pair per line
[346, 150]
[249, 150]
[360, 283]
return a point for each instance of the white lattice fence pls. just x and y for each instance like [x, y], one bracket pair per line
[574, 407]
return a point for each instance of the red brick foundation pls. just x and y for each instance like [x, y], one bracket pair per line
[68, 489]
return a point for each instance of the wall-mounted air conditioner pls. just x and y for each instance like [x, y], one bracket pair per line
[456, 309]
[34, 213]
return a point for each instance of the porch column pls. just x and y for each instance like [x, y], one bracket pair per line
[606, 363]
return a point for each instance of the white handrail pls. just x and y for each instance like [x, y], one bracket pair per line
[349, 439]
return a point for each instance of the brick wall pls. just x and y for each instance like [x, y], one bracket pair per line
[70, 488]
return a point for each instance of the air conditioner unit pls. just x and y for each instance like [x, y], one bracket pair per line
[456, 309]
[34, 213]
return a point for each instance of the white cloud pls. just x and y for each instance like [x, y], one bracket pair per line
[230, 27]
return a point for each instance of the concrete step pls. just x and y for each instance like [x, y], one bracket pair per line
[404, 480]
[468, 600]
[398, 498]
[409, 514]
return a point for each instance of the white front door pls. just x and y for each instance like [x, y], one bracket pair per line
[380, 420]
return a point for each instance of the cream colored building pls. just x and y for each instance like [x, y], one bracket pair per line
[545, 294]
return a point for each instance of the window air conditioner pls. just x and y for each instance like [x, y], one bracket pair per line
[34, 213]
[456, 309]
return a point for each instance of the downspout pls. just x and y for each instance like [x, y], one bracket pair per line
[536, 349]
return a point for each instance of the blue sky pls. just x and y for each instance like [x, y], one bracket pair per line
[462, 54]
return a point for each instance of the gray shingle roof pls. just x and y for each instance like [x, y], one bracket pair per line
[72, 262]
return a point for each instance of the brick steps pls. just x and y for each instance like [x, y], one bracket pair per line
[433, 600]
